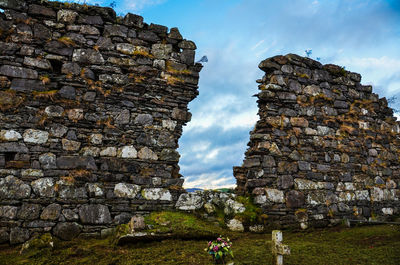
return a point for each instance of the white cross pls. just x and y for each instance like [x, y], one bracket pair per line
[278, 249]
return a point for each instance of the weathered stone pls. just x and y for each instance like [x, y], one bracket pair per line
[144, 119]
[19, 72]
[75, 162]
[54, 111]
[51, 212]
[66, 16]
[109, 151]
[148, 35]
[41, 10]
[275, 195]
[13, 188]
[133, 20]
[75, 114]
[29, 211]
[127, 152]
[9, 135]
[156, 194]
[122, 117]
[161, 51]
[38, 63]
[169, 155]
[67, 92]
[147, 153]
[8, 212]
[124, 190]
[94, 214]
[70, 215]
[95, 189]
[44, 187]
[87, 56]
[312, 90]
[35, 136]
[115, 30]
[235, 225]
[4, 235]
[294, 199]
[70, 145]
[189, 201]
[304, 184]
[67, 231]
[32, 172]
[18, 235]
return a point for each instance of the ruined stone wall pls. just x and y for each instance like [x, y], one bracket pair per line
[325, 147]
[92, 107]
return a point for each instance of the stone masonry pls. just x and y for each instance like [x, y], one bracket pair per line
[92, 107]
[325, 147]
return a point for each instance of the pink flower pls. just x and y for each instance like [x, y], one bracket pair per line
[215, 248]
[219, 239]
[209, 243]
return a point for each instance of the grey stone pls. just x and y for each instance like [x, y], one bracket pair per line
[156, 194]
[124, 190]
[66, 16]
[89, 96]
[44, 187]
[51, 212]
[149, 36]
[41, 32]
[19, 72]
[14, 188]
[285, 182]
[294, 199]
[29, 211]
[41, 10]
[91, 20]
[4, 235]
[8, 212]
[94, 214]
[18, 235]
[144, 119]
[10, 135]
[71, 68]
[235, 225]
[189, 201]
[133, 20]
[115, 30]
[70, 215]
[187, 44]
[75, 162]
[169, 155]
[35, 136]
[13, 147]
[58, 130]
[161, 51]
[54, 111]
[67, 231]
[147, 154]
[122, 117]
[87, 56]
[67, 92]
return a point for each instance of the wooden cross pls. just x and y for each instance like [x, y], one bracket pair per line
[278, 249]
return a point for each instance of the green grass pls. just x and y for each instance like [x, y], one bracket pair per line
[338, 245]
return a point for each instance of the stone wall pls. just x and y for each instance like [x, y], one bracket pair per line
[325, 147]
[92, 107]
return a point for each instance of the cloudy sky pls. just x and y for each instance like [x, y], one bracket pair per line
[361, 35]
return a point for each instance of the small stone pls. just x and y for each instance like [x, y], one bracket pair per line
[169, 155]
[124, 190]
[294, 199]
[58, 130]
[127, 152]
[76, 162]
[94, 214]
[157, 194]
[109, 151]
[87, 56]
[96, 138]
[312, 90]
[275, 195]
[70, 215]
[122, 117]
[94, 189]
[32, 172]
[189, 201]
[304, 184]
[161, 51]
[9, 135]
[75, 114]
[35, 136]
[39, 63]
[14, 188]
[115, 30]
[133, 20]
[41, 10]
[185, 44]
[169, 124]
[67, 92]
[70, 145]
[67, 231]
[51, 212]
[144, 119]
[19, 72]
[44, 187]
[137, 223]
[18, 235]
[387, 211]
[298, 122]
[54, 111]
[29, 211]
[89, 30]
[8, 212]
[147, 154]
[235, 225]
[90, 151]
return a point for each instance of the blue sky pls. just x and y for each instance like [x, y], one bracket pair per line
[363, 36]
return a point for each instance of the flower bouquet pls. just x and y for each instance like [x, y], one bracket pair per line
[219, 249]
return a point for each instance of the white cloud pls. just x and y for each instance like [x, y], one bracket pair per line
[138, 5]
[384, 63]
[258, 44]
[213, 180]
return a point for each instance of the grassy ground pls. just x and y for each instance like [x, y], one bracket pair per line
[357, 245]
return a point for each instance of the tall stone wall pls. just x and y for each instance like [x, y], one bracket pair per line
[325, 147]
[92, 107]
